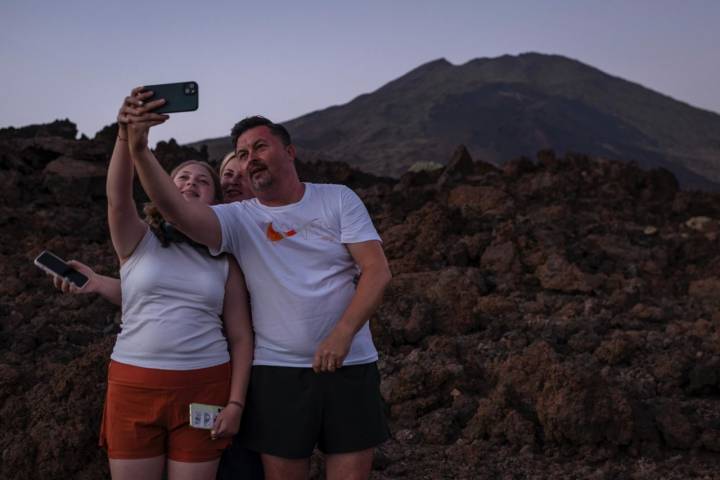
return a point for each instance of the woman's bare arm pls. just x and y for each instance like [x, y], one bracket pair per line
[236, 318]
[126, 227]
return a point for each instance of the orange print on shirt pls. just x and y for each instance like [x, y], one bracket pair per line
[275, 236]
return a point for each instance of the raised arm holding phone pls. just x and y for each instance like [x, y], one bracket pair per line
[186, 335]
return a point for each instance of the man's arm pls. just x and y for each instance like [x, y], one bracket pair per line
[374, 278]
[194, 219]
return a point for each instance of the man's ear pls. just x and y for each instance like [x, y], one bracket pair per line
[290, 149]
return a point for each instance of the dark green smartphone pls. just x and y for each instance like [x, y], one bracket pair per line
[179, 97]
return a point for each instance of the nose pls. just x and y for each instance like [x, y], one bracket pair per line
[253, 155]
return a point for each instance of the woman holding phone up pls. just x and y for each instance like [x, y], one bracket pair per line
[236, 461]
[171, 350]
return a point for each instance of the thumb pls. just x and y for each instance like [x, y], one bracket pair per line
[316, 361]
[219, 427]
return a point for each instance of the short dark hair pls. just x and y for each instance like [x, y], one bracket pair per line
[259, 121]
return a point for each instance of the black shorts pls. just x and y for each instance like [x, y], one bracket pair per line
[291, 410]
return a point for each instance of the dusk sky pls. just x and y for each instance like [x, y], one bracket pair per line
[282, 59]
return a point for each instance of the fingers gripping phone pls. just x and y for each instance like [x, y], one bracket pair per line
[54, 265]
[179, 97]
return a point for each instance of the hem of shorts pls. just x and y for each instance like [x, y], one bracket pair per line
[284, 454]
[373, 444]
[130, 456]
[206, 458]
[262, 363]
[136, 456]
[271, 451]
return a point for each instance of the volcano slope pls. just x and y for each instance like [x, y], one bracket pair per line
[550, 319]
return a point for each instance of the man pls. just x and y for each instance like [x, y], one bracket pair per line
[314, 379]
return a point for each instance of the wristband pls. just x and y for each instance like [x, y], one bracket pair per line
[121, 139]
[235, 402]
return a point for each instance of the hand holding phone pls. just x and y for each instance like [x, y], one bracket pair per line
[66, 286]
[179, 97]
[54, 265]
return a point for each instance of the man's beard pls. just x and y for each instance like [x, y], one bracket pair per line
[261, 182]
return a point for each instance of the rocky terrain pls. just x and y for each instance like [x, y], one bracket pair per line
[554, 318]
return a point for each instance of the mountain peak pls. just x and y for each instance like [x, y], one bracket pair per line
[510, 106]
[434, 66]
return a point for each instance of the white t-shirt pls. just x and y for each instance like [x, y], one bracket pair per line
[172, 299]
[299, 273]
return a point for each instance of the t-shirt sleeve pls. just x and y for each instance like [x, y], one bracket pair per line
[225, 214]
[355, 222]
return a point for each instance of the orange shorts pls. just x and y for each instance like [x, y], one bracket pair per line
[147, 412]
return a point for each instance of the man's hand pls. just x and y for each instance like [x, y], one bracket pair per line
[137, 117]
[332, 351]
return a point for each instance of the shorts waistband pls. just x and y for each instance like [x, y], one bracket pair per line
[122, 373]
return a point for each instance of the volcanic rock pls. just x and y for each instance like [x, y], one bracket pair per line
[72, 181]
[534, 326]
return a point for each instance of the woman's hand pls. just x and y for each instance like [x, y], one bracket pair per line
[136, 117]
[66, 286]
[227, 422]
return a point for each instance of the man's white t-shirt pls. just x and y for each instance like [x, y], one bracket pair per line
[299, 272]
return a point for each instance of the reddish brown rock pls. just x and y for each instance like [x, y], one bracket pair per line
[647, 312]
[499, 258]
[494, 305]
[459, 167]
[581, 409]
[705, 289]
[617, 349]
[676, 428]
[74, 182]
[558, 274]
[533, 326]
